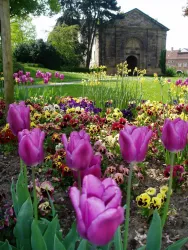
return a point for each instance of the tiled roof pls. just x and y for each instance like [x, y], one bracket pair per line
[177, 54]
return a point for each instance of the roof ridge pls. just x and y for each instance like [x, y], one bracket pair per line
[152, 19]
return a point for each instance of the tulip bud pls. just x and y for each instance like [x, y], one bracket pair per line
[30, 146]
[98, 209]
[134, 143]
[174, 134]
[18, 117]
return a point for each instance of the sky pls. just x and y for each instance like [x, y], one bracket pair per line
[167, 12]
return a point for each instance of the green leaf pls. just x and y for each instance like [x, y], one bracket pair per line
[142, 248]
[155, 233]
[14, 198]
[50, 233]
[22, 230]
[52, 205]
[43, 224]
[37, 241]
[58, 245]
[71, 238]
[83, 245]
[118, 240]
[5, 246]
[22, 191]
[178, 244]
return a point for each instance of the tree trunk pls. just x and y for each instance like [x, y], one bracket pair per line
[7, 52]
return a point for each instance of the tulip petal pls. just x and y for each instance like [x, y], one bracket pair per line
[112, 197]
[170, 138]
[91, 208]
[109, 182]
[82, 155]
[64, 140]
[127, 147]
[74, 195]
[92, 186]
[28, 152]
[103, 228]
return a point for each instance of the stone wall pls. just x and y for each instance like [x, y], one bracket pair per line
[126, 37]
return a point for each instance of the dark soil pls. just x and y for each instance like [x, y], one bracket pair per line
[175, 228]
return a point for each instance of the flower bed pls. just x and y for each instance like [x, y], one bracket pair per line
[103, 155]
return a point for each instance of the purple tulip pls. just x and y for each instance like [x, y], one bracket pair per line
[94, 168]
[15, 75]
[30, 146]
[57, 74]
[61, 76]
[134, 143]
[27, 74]
[31, 80]
[174, 134]
[18, 117]
[20, 72]
[23, 78]
[98, 209]
[79, 152]
[38, 74]
[48, 74]
[46, 80]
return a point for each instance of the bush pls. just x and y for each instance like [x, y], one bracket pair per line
[170, 72]
[17, 66]
[38, 52]
[75, 69]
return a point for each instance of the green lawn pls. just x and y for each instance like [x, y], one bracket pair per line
[151, 91]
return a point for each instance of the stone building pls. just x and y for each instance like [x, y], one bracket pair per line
[178, 59]
[136, 38]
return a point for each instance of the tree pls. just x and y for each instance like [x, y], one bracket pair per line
[162, 62]
[23, 8]
[19, 8]
[93, 13]
[185, 10]
[22, 31]
[65, 40]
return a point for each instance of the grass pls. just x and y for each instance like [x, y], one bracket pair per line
[69, 76]
[151, 91]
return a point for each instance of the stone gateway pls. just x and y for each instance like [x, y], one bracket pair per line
[136, 38]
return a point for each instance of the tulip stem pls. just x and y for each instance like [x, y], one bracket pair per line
[34, 195]
[93, 247]
[169, 190]
[128, 208]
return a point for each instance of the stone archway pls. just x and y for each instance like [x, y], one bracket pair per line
[132, 63]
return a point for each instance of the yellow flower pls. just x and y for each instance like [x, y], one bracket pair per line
[33, 125]
[143, 200]
[163, 189]
[151, 191]
[155, 203]
[162, 196]
[6, 127]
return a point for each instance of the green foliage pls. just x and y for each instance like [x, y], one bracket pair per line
[162, 62]
[94, 13]
[65, 40]
[38, 52]
[22, 31]
[170, 71]
[23, 8]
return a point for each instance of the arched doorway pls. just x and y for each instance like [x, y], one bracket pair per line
[132, 63]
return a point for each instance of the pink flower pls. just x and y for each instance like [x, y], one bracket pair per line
[61, 76]
[30, 146]
[174, 134]
[18, 117]
[98, 209]
[79, 152]
[134, 143]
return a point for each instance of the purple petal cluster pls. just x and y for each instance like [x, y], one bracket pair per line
[30, 147]
[134, 143]
[98, 209]
[18, 117]
[174, 134]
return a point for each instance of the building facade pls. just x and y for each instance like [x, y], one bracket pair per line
[178, 59]
[136, 38]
